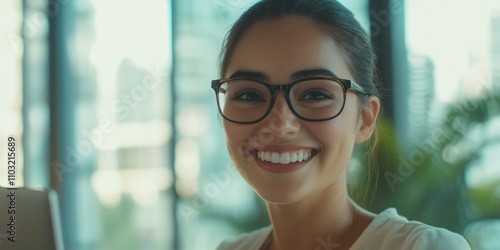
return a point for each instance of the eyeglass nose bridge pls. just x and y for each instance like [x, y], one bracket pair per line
[285, 88]
[286, 93]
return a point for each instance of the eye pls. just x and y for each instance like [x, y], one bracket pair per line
[248, 96]
[316, 95]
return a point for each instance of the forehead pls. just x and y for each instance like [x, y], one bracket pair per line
[279, 47]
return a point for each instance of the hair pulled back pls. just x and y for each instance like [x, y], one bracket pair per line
[336, 20]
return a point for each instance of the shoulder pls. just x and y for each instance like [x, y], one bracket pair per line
[390, 230]
[252, 240]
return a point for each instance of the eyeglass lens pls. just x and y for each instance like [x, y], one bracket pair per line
[247, 101]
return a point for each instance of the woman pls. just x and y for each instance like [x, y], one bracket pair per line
[297, 94]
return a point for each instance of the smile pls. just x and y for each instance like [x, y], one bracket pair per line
[284, 157]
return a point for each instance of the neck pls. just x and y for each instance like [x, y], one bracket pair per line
[325, 219]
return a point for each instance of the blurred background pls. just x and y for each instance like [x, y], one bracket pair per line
[112, 105]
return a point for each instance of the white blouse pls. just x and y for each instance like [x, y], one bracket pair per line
[388, 230]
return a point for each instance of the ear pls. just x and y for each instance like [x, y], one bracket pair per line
[368, 119]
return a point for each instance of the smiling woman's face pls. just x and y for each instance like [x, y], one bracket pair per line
[282, 157]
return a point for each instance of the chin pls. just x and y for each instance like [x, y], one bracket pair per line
[286, 188]
[280, 195]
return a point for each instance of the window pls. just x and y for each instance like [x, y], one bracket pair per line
[96, 112]
[454, 87]
[11, 94]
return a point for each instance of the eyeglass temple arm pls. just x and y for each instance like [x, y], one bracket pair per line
[358, 88]
[214, 84]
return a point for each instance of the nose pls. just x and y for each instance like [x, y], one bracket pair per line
[281, 121]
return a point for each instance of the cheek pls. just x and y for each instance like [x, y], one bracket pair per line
[332, 136]
[230, 131]
[337, 138]
[340, 128]
[233, 136]
[237, 140]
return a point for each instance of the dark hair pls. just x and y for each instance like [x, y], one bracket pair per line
[335, 20]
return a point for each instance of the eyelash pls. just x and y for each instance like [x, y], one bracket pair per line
[325, 94]
[240, 94]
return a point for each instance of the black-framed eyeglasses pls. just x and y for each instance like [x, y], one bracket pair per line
[247, 101]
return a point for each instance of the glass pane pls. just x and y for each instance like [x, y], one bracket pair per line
[120, 54]
[11, 98]
[36, 111]
[454, 113]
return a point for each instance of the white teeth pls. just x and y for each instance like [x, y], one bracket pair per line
[275, 157]
[284, 158]
[267, 157]
[300, 157]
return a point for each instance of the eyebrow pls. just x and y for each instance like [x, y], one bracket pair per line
[250, 75]
[302, 74]
[312, 73]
